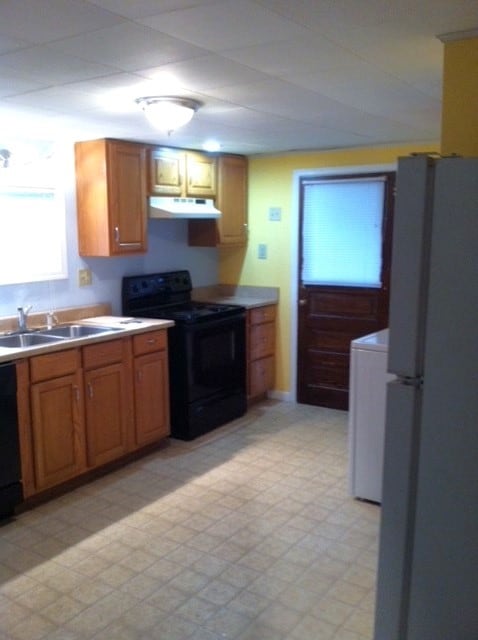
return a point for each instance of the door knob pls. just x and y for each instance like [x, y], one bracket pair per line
[302, 302]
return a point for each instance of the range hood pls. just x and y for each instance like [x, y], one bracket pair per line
[179, 208]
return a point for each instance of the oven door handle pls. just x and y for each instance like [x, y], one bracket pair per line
[236, 318]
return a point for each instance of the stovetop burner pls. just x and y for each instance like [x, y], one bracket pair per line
[168, 295]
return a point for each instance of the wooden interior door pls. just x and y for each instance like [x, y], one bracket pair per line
[330, 317]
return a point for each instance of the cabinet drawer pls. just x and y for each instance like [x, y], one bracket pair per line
[151, 341]
[54, 365]
[101, 353]
[262, 314]
[261, 376]
[262, 340]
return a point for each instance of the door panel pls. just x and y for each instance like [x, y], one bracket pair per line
[330, 317]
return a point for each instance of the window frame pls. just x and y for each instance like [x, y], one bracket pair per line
[387, 176]
[23, 264]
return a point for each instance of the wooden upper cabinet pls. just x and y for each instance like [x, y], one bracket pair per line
[232, 200]
[175, 172]
[201, 175]
[167, 168]
[111, 197]
[231, 228]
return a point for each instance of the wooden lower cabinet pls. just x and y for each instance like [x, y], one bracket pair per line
[107, 400]
[151, 387]
[261, 376]
[82, 408]
[58, 427]
[261, 334]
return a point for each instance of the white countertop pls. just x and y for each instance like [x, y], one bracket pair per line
[245, 296]
[127, 325]
[377, 341]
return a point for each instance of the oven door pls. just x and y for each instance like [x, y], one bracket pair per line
[208, 358]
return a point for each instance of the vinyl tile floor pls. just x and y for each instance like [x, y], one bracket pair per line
[247, 533]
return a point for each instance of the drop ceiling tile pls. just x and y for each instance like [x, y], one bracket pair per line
[312, 138]
[251, 119]
[145, 8]
[11, 84]
[39, 21]
[115, 81]
[226, 25]
[128, 47]
[205, 72]
[7, 43]
[368, 90]
[288, 57]
[276, 97]
[56, 99]
[42, 63]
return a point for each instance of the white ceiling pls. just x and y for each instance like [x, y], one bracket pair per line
[273, 75]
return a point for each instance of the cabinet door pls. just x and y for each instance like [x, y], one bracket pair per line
[232, 200]
[201, 175]
[127, 197]
[58, 430]
[106, 397]
[262, 340]
[261, 376]
[231, 228]
[166, 172]
[110, 197]
[151, 397]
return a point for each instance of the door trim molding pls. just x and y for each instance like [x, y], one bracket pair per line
[294, 227]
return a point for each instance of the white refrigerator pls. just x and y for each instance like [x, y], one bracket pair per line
[427, 586]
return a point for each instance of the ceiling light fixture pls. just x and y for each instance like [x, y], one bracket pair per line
[168, 113]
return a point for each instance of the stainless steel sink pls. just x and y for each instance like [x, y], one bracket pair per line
[22, 340]
[77, 331]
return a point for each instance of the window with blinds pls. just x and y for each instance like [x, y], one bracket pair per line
[342, 231]
[32, 218]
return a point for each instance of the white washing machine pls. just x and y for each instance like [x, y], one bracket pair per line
[367, 400]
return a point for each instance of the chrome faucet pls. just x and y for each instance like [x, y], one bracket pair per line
[22, 313]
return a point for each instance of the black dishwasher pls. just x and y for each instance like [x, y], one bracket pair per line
[10, 477]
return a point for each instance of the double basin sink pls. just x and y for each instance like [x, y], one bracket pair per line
[55, 334]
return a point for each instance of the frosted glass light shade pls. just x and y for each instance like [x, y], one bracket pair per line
[168, 113]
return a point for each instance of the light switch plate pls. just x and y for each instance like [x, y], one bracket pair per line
[262, 251]
[275, 213]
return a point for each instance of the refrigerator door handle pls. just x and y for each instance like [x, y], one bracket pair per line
[409, 381]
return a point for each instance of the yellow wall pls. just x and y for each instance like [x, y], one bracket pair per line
[270, 185]
[460, 98]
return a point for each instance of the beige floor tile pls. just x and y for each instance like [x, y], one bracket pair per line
[360, 622]
[311, 628]
[279, 617]
[218, 592]
[34, 627]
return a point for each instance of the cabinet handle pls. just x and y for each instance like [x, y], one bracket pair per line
[124, 244]
[76, 391]
[139, 376]
[90, 390]
[151, 341]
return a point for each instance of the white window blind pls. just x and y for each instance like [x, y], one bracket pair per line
[342, 231]
[32, 222]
